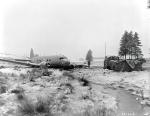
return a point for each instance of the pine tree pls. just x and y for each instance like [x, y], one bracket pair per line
[138, 51]
[89, 57]
[130, 45]
[124, 45]
[31, 53]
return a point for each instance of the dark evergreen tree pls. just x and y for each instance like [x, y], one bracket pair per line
[138, 51]
[89, 57]
[31, 53]
[123, 45]
[130, 45]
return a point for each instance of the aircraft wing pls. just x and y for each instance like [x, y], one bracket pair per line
[21, 63]
[25, 60]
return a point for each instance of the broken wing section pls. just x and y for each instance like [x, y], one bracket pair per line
[21, 63]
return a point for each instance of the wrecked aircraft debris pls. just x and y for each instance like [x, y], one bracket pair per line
[56, 61]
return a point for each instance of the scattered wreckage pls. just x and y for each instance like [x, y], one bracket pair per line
[56, 61]
[128, 65]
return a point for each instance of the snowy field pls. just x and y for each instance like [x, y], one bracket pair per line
[67, 89]
[70, 92]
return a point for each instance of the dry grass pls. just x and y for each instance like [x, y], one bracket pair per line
[31, 75]
[69, 75]
[48, 106]
[13, 75]
[97, 112]
[17, 90]
[28, 108]
[23, 76]
[3, 85]
[5, 75]
[3, 89]
[68, 86]
[84, 81]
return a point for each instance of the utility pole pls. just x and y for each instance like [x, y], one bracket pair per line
[105, 49]
[149, 53]
[148, 6]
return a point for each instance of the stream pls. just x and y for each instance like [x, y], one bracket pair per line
[127, 103]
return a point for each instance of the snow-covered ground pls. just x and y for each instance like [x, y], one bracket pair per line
[77, 101]
[137, 83]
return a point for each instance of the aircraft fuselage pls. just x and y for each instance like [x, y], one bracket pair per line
[52, 61]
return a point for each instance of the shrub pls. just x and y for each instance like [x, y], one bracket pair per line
[60, 104]
[29, 108]
[5, 75]
[13, 75]
[42, 106]
[46, 72]
[67, 85]
[20, 96]
[97, 112]
[31, 75]
[84, 81]
[26, 108]
[3, 89]
[23, 76]
[17, 90]
[69, 75]
[71, 88]
[3, 80]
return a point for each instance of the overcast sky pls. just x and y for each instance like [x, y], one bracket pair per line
[71, 27]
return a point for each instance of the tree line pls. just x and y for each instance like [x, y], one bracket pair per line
[130, 45]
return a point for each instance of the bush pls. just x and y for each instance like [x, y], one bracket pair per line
[31, 75]
[46, 72]
[13, 75]
[5, 75]
[3, 89]
[23, 76]
[84, 81]
[97, 112]
[3, 80]
[20, 96]
[69, 75]
[17, 90]
[29, 108]
[26, 108]
[67, 85]
[42, 106]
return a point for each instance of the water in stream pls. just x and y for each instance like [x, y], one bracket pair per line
[127, 103]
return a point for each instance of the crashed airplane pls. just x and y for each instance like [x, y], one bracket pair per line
[56, 61]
